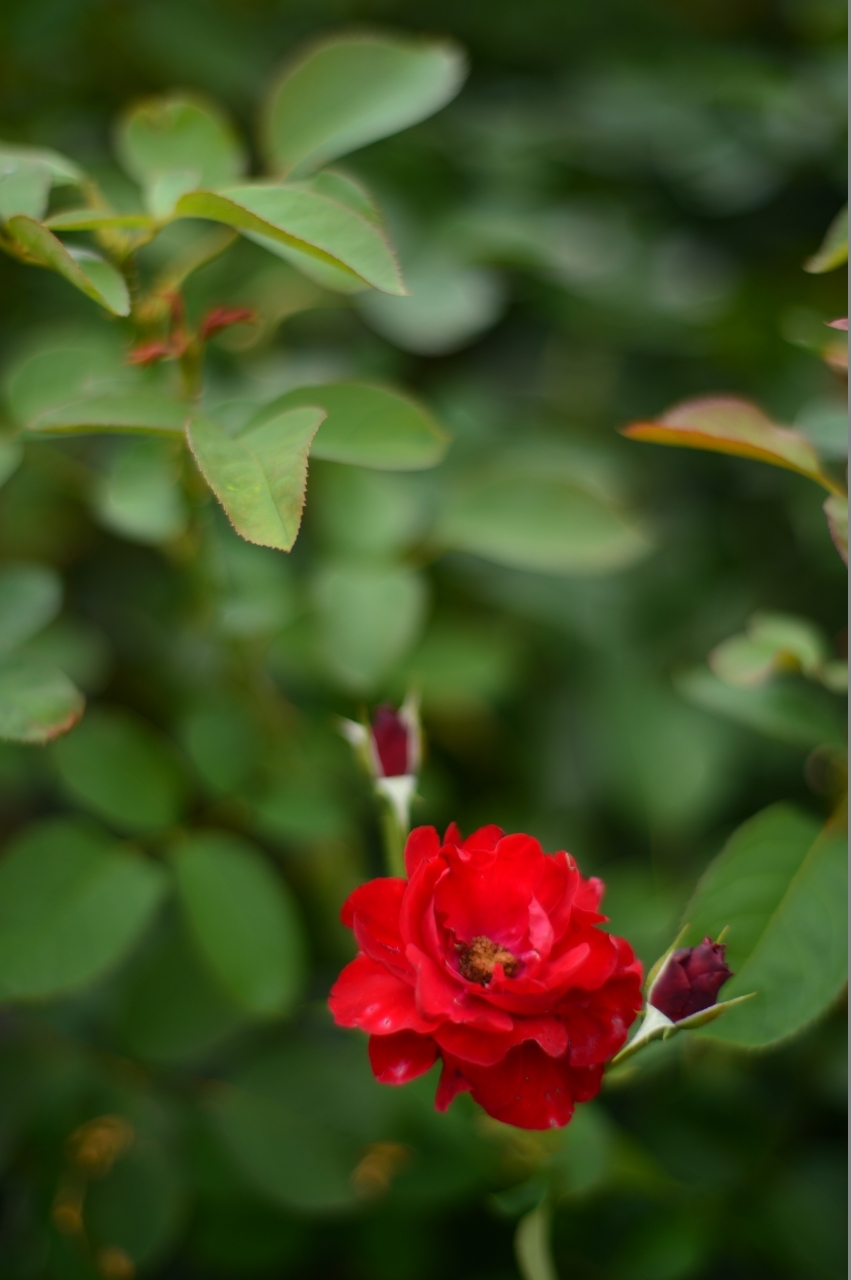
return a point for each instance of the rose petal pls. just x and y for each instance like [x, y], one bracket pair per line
[373, 912]
[401, 1057]
[368, 996]
[486, 1048]
[423, 843]
[527, 1089]
[438, 996]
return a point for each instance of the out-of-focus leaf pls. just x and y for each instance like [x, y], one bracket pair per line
[254, 589]
[369, 617]
[139, 496]
[524, 518]
[63, 172]
[123, 771]
[295, 215]
[11, 457]
[99, 220]
[450, 305]
[259, 477]
[789, 711]
[583, 1161]
[367, 512]
[780, 884]
[532, 1246]
[314, 1099]
[368, 426]
[120, 411]
[179, 134]
[76, 648]
[726, 425]
[57, 375]
[345, 93]
[86, 270]
[30, 598]
[72, 904]
[173, 1009]
[37, 702]
[774, 642]
[139, 1206]
[243, 920]
[833, 250]
[836, 510]
[223, 743]
[24, 188]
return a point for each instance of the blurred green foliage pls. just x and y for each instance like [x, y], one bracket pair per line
[613, 215]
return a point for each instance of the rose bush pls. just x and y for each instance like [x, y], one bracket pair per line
[490, 957]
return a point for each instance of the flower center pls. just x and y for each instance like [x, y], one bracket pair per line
[477, 960]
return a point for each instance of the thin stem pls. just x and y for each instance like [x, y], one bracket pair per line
[394, 837]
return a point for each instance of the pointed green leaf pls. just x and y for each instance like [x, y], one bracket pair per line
[368, 426]
[345, 93]
[30, 598]
[833, 250]
[86, 270]
[836, 510]
[780, 886]
[179, 133]
[298, 217]
[37, 702]
[723, 424]
[99, 220]
[243, 919]
[260, 476]
[72, 904]
[773, 642]
[122, 770]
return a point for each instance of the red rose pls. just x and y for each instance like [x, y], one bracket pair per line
[489, 957]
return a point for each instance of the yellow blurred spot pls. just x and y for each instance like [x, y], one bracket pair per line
[115, 1264]
[97, 1144]
[380, 1164]
[67, 1211]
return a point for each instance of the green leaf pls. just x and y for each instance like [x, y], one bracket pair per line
[99, 220]
[723, 424]
[37, 702]
[780, 884]
[296, 216]
[30, 598]
[244, 921]
[179, 133]
[451, 303]
[24, 189]
[532, 1246]
[63, 172]
[774, 642]
[86, 270]
[527, 519]
[139, 497]
[260, 476]
[139, 1207]
[836, 510]
[115, 411]
[72, 904]
[343, 94]
[833, 250]
[11, 457]
[56, 375]
[369, 618]
[123, 771]
[368, 426]
[787, 710]
[173, 1009]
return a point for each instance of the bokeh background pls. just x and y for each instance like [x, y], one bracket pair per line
[611, 216]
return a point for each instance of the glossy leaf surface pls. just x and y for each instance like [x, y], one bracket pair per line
[72, 904]
[260, 476]
[86, 270]
[780, 884]
[345, 93]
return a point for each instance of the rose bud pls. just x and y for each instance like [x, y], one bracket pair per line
[690, 980]
[488, 956]
[391, 749]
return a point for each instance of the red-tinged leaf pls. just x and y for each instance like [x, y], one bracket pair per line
[724, 424]
[836, 510]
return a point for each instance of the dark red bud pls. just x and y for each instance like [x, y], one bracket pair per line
[223, 317]
[690, 980]
[391, 737]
